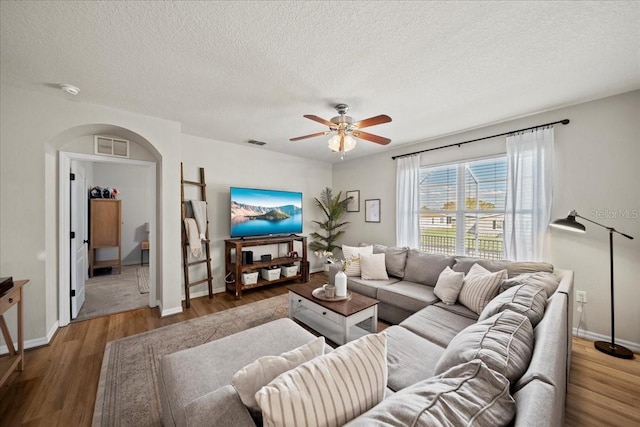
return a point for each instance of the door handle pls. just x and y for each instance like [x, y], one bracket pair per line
[85, 241]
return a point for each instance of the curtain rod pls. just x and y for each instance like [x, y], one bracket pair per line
[458, 144]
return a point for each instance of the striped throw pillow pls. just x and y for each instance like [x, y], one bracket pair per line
[355, 252]
[479, 287]
[329, 390]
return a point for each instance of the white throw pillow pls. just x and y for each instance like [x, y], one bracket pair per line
[355, 252]
[373, 267]
[448, 286]
[329, 390]
[479, 287]
[248, 380]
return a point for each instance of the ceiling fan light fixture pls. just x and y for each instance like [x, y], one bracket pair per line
[334, 143]
[349, 143]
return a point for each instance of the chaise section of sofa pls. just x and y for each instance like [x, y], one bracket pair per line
[194, 384]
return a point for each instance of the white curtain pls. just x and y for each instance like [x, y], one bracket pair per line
[529, 193]
[408, 201]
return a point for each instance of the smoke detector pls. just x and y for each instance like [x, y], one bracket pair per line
[70, 89]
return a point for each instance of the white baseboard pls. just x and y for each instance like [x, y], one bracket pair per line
[36, 342]
[592, 336]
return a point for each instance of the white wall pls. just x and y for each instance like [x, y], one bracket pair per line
[230, 165]
[133, 190]
[596, 173]
[33, 127]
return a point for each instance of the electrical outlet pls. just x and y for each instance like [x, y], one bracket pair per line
[581, 296]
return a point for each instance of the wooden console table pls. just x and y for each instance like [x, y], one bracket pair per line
[15, 359]
[234, 266]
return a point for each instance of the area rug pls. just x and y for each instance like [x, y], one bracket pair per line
[143, 279]
[128, 390]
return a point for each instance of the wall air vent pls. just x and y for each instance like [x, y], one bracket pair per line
[254, 142]
[111, 146]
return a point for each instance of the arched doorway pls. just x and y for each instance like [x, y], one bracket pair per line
[75, 145]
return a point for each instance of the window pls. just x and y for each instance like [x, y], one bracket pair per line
[462, 208]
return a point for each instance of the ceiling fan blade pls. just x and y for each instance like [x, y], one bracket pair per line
[320, 120]
[309, 136]
[372, 121]
[371, 137]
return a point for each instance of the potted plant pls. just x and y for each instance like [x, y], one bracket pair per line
[333, 208]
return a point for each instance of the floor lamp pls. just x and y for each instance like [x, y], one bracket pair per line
[570, 223]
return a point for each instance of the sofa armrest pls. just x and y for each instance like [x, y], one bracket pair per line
[221, 407]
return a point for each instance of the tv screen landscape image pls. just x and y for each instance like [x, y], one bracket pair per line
[256, 212]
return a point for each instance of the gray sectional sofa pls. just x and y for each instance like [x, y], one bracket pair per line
[195, 384]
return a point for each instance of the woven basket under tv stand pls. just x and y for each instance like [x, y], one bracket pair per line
[233, 261]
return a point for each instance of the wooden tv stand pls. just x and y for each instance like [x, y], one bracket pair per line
[235, 246]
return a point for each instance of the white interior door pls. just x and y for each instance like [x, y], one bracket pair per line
[79, 214]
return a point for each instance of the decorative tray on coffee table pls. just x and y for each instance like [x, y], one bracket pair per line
[319, 293]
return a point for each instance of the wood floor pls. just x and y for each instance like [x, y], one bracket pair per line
[59, 383]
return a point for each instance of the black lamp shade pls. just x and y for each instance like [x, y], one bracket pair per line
[569, 223]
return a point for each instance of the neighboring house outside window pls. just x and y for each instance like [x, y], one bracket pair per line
[462, 207]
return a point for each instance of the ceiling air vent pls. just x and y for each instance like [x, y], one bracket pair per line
[110, 146]
[254, 142]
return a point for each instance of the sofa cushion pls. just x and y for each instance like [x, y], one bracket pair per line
[331, 389]
[448, 286]
[219, 407]
[410, 358]
[436, 324]
[479, 287]
[425, 268]
[372, 267]
[549, 281]
[395, 259]
[408, 295]
[368, 287]
[464, 264]
[466, 395]
[504, 342]
[459, 309]
[355, 252]
[248, 380]
[514, 268]
[529, 300]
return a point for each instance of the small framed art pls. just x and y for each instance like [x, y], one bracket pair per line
[372, 210]
[354, 203]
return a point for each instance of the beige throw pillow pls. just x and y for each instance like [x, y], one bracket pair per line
[479, 287]
[448, 286]
[373, 267]
[248, 380]
[355, 252]
[329, 390]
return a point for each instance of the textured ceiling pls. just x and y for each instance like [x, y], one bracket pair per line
[233, 71]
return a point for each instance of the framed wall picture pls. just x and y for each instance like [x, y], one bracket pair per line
[372, 210]
[354, 204]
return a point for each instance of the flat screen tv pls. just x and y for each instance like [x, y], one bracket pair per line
[257, 212]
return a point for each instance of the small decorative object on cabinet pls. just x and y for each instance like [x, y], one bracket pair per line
[233, 249]
[105, 223]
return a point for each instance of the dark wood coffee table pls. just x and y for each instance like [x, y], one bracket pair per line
[336, 320]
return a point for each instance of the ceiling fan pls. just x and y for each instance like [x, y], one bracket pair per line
[345, 131]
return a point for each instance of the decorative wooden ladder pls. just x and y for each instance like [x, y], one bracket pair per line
[185, 240]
